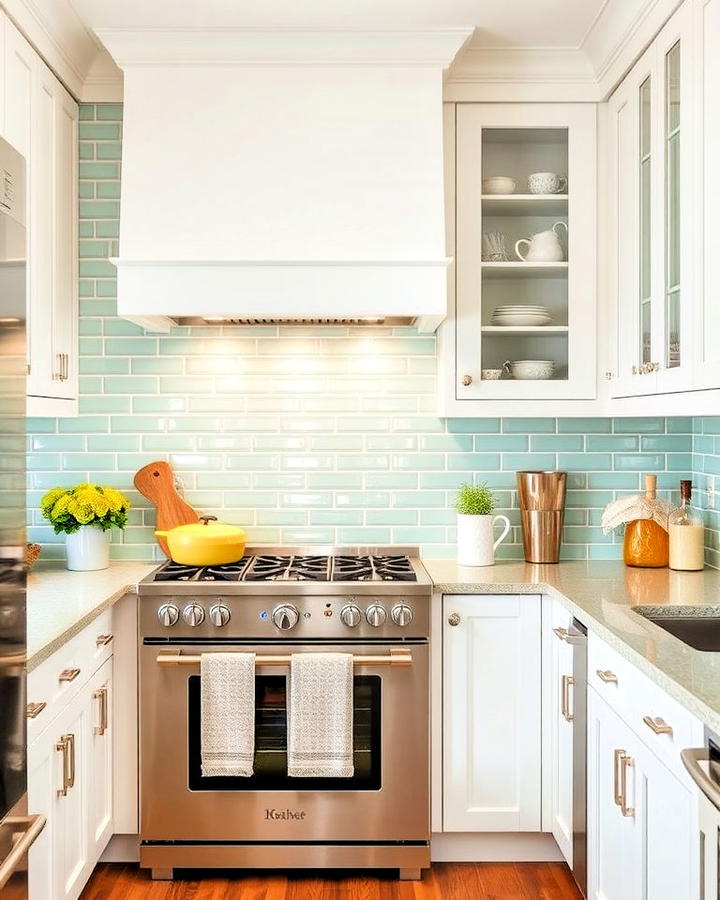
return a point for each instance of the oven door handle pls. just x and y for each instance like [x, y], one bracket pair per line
[394, 658]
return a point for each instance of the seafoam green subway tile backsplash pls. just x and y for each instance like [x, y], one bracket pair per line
[306, 434]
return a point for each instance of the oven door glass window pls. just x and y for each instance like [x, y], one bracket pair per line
[270, 768]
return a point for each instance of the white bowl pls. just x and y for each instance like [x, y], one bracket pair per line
[491, 374]
[531, 369]
[499, 184]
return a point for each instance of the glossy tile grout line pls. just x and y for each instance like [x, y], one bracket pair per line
[314, 434]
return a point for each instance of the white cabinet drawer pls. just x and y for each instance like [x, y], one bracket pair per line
[58, 679]
[643, 705]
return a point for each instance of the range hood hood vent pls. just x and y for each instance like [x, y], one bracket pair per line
[283, 177]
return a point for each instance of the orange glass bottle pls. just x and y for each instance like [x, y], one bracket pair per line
[646, 543]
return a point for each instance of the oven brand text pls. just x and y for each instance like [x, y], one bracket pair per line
[285, 814]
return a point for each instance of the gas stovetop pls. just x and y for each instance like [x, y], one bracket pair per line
[323, 569]
[302, 567]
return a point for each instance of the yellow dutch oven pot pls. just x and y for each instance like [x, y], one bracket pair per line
[205, 543]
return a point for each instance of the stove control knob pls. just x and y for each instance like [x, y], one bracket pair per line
[350, 615]
[401, 614]
[194, 614]
[376, 615]
[285, 616]
[168, 614]
[219, 614]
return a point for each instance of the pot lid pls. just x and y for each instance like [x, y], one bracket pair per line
[208, 528]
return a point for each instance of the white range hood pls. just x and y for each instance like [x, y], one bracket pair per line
[282, 176]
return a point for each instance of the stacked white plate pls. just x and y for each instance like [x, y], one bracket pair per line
[521, 315]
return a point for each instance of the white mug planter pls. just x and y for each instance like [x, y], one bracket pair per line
[88, 549]
[475, 545]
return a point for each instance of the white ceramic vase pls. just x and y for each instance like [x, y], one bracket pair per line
[475, 544]
[88, 549]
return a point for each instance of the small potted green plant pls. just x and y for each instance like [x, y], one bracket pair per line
[85, 514]
[475, 522]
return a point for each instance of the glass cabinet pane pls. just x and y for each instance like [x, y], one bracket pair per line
[645, 162]
[672, 227]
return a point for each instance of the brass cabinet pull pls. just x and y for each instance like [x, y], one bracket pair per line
[454, 619]
[101, 695]
[102, 640]
[33, 710]
[657, 725]
[68, 674]
[57, 375]
[566, 681]
[607, 676]
[617, 797]
[562, 633]
[467, 380]
[625, 763]
[66, 746]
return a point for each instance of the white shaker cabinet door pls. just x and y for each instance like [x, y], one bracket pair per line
[491, 713]
[614, 815]
[558, 719]
[100, 759]
[670, 838]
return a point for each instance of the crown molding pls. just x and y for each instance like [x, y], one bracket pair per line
[540, 74]
[61, 38]
[277, 46]
[620, 34]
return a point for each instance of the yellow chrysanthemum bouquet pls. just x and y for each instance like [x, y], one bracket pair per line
[69, 509]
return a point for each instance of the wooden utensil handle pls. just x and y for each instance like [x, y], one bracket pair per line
[156, 481]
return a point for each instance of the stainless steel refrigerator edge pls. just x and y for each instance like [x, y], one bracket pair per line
[18, 830]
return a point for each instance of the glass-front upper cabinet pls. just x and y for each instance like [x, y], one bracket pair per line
[525, 252]
[650, 226]
[707, 241]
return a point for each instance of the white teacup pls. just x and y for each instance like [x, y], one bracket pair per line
[546, 183]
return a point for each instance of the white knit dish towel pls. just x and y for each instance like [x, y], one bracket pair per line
[227, 713]
[320, 716]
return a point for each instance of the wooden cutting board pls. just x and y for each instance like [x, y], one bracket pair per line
[156, 481]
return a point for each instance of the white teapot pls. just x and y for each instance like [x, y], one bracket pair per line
[543, 246]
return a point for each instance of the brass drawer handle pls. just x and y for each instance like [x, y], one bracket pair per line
[607, 676]
[454, 619]
[467, 380]
[33, 710]
[566, 682]
[562, 633]
[66, 746]
[657, 725]
[102, 640]
[68, 674]
[101, 695]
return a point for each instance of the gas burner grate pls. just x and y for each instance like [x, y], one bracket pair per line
[288, 568]
[228, 572]
[173, 571]
[352, 568]
[394, 568]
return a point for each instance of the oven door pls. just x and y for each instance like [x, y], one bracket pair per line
[386, 800]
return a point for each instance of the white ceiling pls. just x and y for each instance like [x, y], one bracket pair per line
[500, 23]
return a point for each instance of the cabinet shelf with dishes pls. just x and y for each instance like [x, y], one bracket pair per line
[524, 256]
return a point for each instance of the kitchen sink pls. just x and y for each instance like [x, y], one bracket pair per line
[699, 631]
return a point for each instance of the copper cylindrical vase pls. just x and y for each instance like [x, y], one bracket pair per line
[541, 497]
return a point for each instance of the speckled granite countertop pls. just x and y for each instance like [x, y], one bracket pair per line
[602, 594]
[61, 603]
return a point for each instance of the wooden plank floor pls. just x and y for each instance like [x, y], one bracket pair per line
[458, 881]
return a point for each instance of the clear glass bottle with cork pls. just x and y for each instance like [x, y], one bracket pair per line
[687, 543]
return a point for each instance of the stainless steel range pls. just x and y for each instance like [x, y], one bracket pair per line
[275, 601]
